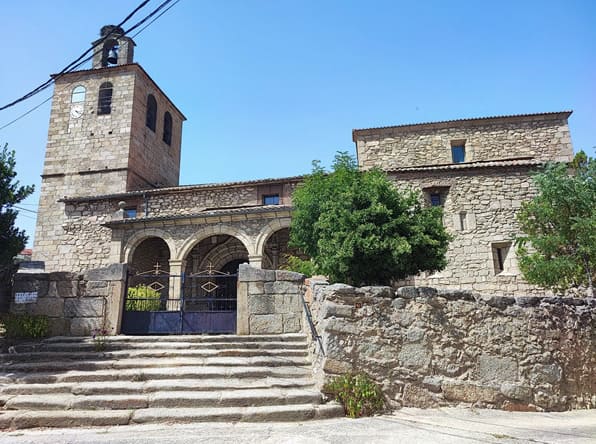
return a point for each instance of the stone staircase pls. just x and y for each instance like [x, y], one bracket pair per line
[65, 382]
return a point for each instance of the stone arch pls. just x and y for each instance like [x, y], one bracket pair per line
[214, 230]
[225, 254]
[267, 231]
[136, 239]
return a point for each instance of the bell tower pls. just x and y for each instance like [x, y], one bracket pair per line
[112, 130]
[113, 48]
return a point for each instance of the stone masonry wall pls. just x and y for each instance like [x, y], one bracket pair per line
[544, 136]
[428, 348]
[269, 301]
[75, 304]
[479, 211]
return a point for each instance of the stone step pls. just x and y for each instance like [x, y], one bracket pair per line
[289, 337]
[52, 366]
[139, 387]
[150, 373]
[145, 353]
[89, 346]
[22, 419]
[169, 399]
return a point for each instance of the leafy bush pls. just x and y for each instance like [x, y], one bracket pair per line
[143, 298]
[26, 326]
[558, 247]
[358, 393]
[306, 267]
[359, 229]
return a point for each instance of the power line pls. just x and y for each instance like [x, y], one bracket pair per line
[74, 65]
[47, 83]
[23, 115]
[24, 209]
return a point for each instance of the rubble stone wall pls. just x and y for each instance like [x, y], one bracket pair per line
[542, 136]
[428, 348]
[479, 211]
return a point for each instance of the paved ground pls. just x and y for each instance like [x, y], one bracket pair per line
[405, 426]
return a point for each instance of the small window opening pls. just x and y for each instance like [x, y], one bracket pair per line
[151, 117]
[104, 102]
[167, 128]
[435, 199]
[458, 151]
[501, 257]
[271, 199]
[462, 221]
[130, 213]
[78, 94]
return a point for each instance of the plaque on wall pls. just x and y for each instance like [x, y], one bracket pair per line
[25, 297]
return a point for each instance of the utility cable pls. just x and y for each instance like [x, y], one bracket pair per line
[72, 66]
[47, 83]
[23, 115]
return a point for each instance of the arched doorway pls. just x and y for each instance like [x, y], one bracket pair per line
[210, 280]
[276, 250]
[152, 301]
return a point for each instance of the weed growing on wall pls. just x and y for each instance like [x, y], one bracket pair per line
[25, 326]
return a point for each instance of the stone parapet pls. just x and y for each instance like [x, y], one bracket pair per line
[269, 301]
[75, 304]
[430, 348]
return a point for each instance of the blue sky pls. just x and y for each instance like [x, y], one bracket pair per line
[268, 86]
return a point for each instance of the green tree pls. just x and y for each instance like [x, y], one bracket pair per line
[558, 248]
[12, 240]
[359, 229]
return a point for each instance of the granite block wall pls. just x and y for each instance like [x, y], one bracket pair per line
[430, 348]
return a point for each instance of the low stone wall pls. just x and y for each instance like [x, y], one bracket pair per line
[269, 301]
[430, 349]
[75, 303]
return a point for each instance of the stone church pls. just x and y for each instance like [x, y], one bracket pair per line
[110, 191]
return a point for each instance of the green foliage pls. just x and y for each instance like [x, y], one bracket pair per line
[12, 240]
[359, 229]
[299, 265]
[358, 393]
[25, 326]
[142, 298]
[558, 248]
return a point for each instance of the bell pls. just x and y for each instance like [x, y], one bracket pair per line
[112, 56]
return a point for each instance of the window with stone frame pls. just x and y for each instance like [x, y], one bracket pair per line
[151, 116]
[130, 213]
[104, 101]
[78, 94]
[436, 196]
[502, 256]
[458, 151]
[167, 128]
[271, 199]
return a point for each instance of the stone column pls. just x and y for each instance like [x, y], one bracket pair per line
[176, 269]
[256, 261]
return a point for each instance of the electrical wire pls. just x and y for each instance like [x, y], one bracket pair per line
[47, 83]
[78, 62]
[24, 209]
[23, 115]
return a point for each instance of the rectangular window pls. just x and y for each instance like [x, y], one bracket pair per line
[501, 257]
[130, 213]
[271, 199]
[462, 221]
[435, 199]
[458, 153]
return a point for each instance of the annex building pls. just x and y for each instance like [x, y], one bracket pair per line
[110, 192]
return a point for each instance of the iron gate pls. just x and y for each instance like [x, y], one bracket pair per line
[157, 302]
